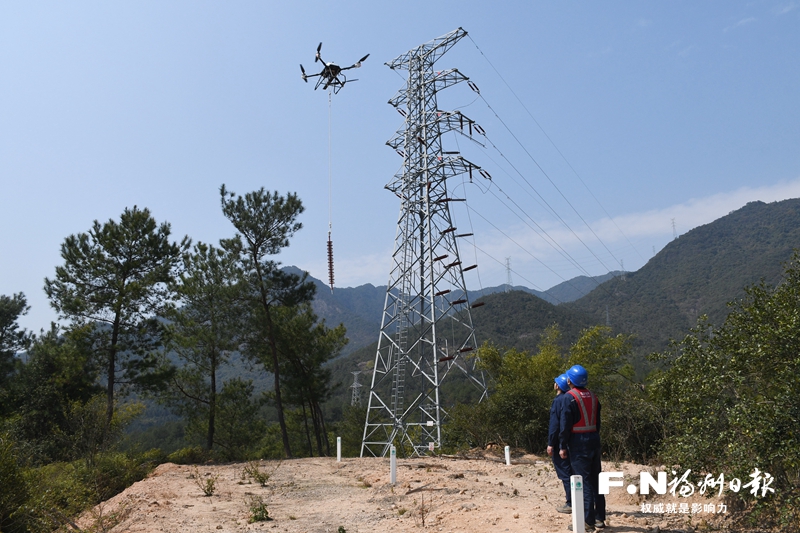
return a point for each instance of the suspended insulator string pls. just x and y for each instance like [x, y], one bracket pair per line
[556, 147]
[330, 261]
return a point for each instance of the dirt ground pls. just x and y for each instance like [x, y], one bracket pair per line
[321, 495]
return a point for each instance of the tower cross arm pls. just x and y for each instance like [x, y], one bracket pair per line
[428, 52]
[438, 80]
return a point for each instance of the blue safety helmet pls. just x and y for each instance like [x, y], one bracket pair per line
[561, 381]
[578, 376]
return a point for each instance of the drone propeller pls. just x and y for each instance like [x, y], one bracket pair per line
[317, 58]
[358, 65]
[303, 75]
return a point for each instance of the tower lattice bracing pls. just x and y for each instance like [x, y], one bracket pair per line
[427, 332]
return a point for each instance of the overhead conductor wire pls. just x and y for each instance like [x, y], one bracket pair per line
[557, 150]
[476, 248]
[540, 231]
[541, 199]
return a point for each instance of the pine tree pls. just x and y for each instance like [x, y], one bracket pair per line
[12, 338]
[306, 345]
[265, 223]
[205, 330]
[117, 278]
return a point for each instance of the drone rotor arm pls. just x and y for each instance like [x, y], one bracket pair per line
[358, 64]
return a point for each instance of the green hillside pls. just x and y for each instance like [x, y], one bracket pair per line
[359, 308]
[517, 319]
[514, 319]
[697, 274]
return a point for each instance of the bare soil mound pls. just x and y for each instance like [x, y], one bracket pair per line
[321, 495]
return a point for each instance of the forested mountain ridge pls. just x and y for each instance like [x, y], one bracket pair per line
[698, 273]
[359, 308]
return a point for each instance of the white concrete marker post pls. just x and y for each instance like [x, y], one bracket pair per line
[393, 465]
[508, 455]
[338, 449]
[576, 488]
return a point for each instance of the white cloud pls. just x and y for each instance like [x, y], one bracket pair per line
[604, 52]
[534, 258]
[699, 211]
[784, 8]
[742, 22]
[537, 264]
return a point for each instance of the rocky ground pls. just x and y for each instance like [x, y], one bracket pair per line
[321, 495]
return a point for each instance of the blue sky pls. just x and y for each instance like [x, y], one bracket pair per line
[619, 117]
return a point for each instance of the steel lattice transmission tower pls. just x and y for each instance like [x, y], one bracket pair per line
[355, 398]
[426, 329]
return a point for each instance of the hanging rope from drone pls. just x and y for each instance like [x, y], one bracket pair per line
[332, 78]
[330, 198]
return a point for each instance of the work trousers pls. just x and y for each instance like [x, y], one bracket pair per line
[584, 457]
[563, 471]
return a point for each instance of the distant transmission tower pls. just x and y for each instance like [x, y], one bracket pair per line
[355, 399]
[508, 274]
[426, 329]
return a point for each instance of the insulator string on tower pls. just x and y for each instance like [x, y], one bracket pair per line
[471, 125]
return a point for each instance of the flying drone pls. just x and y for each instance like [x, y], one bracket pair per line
[332, 75]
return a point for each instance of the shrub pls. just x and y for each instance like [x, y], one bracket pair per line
[731, 393]
[255, 472]
[12, 480]
[191, 455]
[258, 509]
[207, 483]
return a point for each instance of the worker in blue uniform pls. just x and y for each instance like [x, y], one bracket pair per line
[562, 467]
[579, 441]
